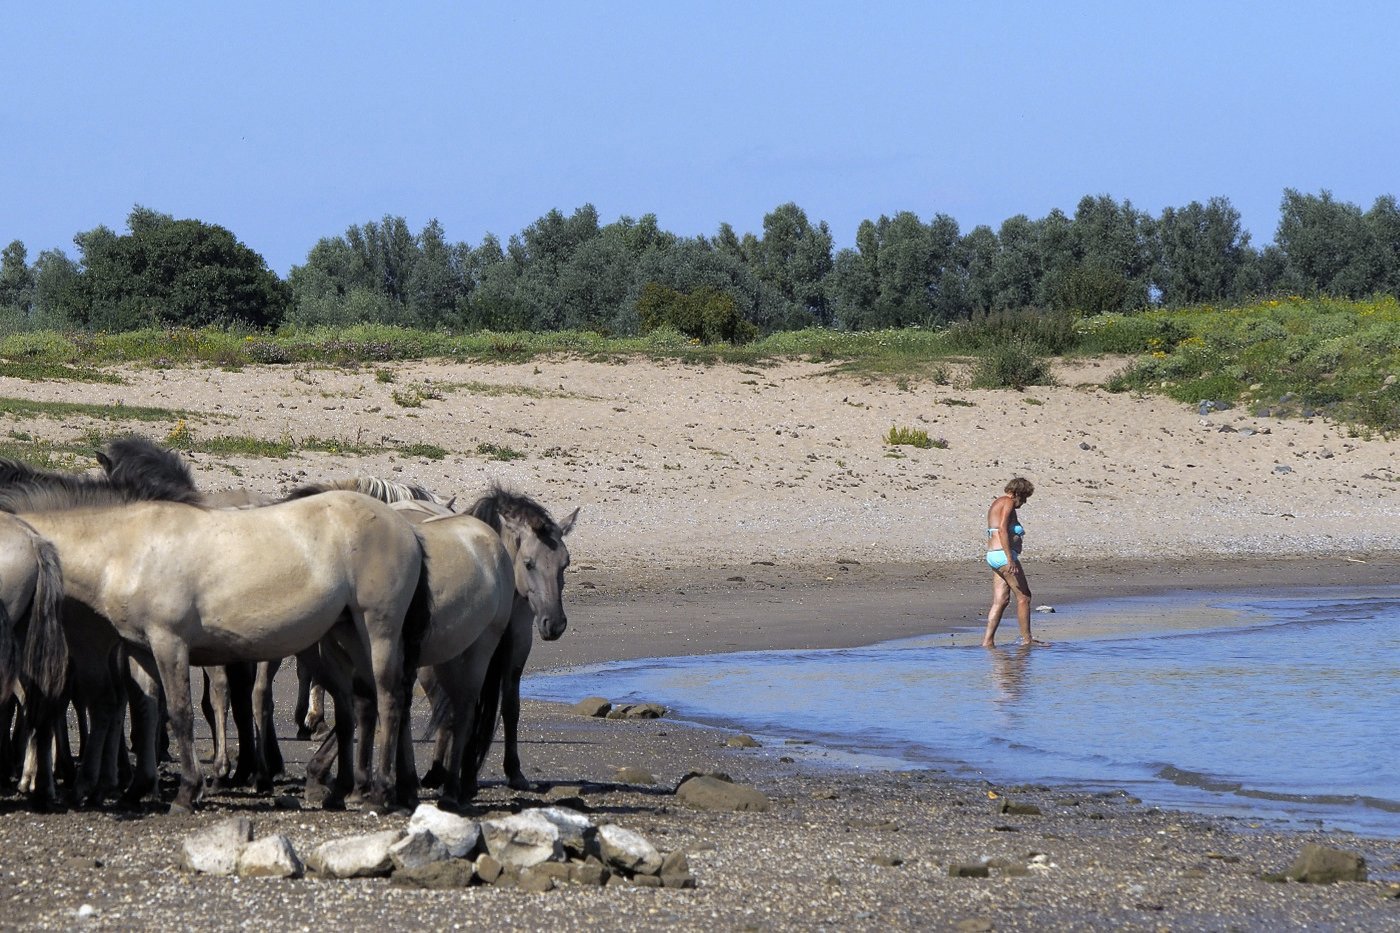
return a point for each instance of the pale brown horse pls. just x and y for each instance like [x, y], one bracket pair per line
[182, 584]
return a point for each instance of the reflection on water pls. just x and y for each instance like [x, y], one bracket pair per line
[1288, 710]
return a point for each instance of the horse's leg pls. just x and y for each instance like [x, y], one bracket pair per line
[522, 637]
[215, 704]
[143, 692]
[270, 763]
[65, 766]
[172, 662]
[331, 668]
[386, 660]
[310, 698]
[454, 693]
[366, 719]
[240, 688]
[9, 723]
[437, 773]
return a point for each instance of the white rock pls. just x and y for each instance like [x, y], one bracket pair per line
[270, 857]
[214, 851]
[522, 840]
[573, 827]
[418, 849]
[458, 833]
[628, 850]
[356, 856]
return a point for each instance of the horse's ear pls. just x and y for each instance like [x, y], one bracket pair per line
[105, 460]
[567, 525]
[450, 503]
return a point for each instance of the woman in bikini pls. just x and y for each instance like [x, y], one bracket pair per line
[1004, 534]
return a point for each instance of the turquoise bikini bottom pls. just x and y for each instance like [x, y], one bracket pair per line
[997, 559]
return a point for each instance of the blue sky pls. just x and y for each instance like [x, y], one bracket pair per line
[288, 122]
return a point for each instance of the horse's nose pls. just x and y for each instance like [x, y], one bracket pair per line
[553, 628]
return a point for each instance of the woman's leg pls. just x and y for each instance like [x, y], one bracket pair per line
[1001, 595]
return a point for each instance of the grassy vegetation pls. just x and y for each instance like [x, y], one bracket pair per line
[29, 408]
[913, 437]
[1282, 357]
[1292, 357]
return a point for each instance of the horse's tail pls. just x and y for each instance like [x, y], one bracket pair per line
[8, 654]
[488, 707]
[440, 714]
[416, 622]
[46, 646]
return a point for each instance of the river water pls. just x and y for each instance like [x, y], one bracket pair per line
[1260, 706]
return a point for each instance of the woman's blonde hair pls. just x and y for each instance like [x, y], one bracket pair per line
[1020, 486]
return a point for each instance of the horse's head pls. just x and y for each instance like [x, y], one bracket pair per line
[541, 556]
[535, 542]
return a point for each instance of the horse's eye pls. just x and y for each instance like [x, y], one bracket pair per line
[529, 563]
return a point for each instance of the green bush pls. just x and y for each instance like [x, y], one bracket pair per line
[705, 314]
[1011, 365]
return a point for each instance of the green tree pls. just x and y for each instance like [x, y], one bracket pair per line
[794, 259]
[1019, 265]
[174, 272]
[1383, 220]
[57, 290]
[1328, 247]
[1202, 253]
[1111, 240]
[16, 279]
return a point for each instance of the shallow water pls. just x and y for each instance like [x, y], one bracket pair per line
[1259, 706]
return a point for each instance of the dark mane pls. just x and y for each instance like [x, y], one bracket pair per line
[145, 470]
[137, 470]
[499, 504]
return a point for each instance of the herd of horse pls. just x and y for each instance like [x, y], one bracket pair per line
[113, 587]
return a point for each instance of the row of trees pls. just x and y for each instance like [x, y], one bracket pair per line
[572, 271]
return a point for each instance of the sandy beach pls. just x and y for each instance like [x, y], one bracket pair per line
[728, 508]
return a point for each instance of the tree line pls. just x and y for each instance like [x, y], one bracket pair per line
[574, 272]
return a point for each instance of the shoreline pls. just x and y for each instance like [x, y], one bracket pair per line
[623, 615]
[816, 602]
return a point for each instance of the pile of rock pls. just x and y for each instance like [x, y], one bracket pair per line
[536, 850]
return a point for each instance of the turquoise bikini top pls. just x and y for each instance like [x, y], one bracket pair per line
[1016, 529]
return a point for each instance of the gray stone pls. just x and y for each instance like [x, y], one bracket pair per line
[638, 711]
[1016, 808]
[742, 741]
[647, 881]
[488, 868]
[535, 881]
[436, 876]
[418, 849]
[592, 706]
[592, 873]
[215, 850]
[623, 849]
[630, 775]
[522, 840]
[1322, 865]
[575, 829]
[973, 870]
[705, 792]
[364, 856]
[458, 833]
[270, 857]
[675, 863]
[1283, 468]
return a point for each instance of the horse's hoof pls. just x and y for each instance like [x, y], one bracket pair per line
[520, 783]
[181, 809]
[303, 734]
[435, 778]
